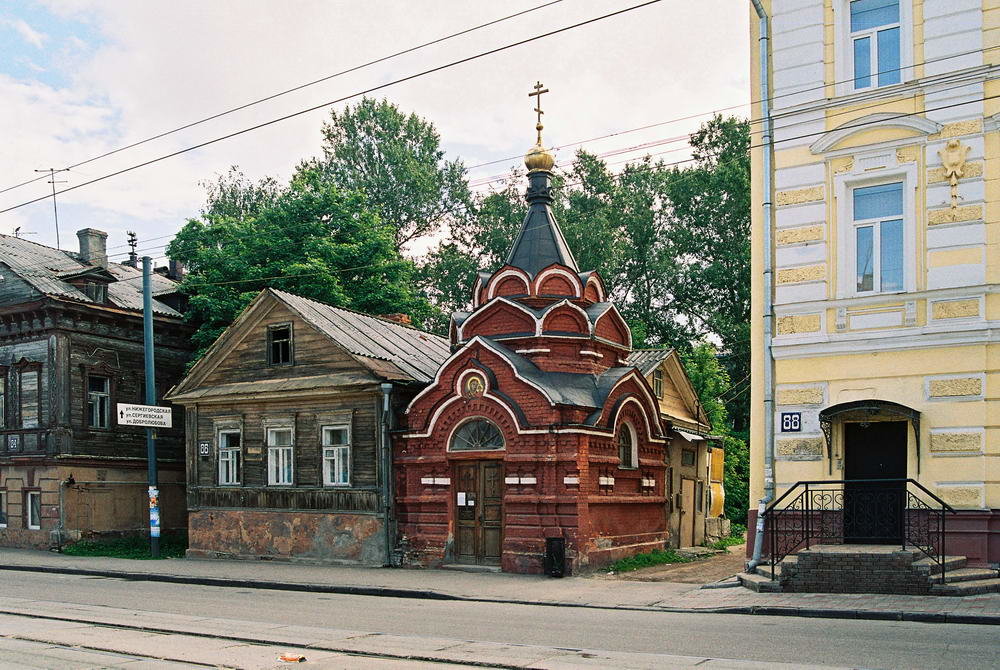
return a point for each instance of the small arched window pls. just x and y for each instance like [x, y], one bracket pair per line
[477, 435]
[627, 448]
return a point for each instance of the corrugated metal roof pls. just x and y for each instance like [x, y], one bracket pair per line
[414, 352]
[647, 359]
[284, 384]
[39, 266]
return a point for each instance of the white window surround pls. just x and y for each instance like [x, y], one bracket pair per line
[229, 456]
[336, 455]
[280, 457]
[843, 188]
[844, 49]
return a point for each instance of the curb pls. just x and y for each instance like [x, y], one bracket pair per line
[423, 594]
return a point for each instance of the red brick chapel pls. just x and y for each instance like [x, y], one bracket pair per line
[535, 427]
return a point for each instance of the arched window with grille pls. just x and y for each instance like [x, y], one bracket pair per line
[477, 435]
[628, 448]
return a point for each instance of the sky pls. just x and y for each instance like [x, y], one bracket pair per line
[79, 78]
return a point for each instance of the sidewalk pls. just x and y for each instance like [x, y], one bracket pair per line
[519, 589]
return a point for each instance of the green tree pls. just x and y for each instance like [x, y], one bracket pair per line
[309, 238]
[396, 161]
[711, 382]
[709, 233]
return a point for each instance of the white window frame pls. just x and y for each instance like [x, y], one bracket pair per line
[280, 453]
[3, 509]
[844, 40]
[27, 511]
[237, 467]
[330, 458]
[844, 186]
[103, 408]
[635, 446]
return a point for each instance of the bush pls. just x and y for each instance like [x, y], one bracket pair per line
[172, 545]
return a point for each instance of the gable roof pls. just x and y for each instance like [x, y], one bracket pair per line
[414, 352]
[647, 360]
[48, 270]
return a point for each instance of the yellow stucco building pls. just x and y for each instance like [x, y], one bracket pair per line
[881, 235]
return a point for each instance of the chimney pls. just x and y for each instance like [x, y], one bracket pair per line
[398, 318]
[93, 246]
[177, 270]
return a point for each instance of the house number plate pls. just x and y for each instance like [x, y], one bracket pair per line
[791, 422]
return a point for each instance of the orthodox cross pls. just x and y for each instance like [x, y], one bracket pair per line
[538, 108]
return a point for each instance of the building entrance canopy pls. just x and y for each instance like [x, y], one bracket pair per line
[859, 409]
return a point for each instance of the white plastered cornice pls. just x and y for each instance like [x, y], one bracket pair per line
[830, 139]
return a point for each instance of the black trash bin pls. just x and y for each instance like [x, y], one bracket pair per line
[555, 556]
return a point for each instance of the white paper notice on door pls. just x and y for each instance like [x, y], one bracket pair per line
[461, 498]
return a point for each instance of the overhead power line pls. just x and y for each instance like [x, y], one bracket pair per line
[372, 89]
[292, 90]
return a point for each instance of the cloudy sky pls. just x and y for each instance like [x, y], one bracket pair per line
[80, 78]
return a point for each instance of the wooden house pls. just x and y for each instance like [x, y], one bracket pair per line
[695, 491]
[288, 416]
[71, 347]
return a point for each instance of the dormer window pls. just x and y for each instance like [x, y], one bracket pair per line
[96, 291]
[279, 344]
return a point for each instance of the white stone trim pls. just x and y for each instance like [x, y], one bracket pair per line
[830, 139]
[843, 185]
[509, 272]
[574, 280]
[478, 312]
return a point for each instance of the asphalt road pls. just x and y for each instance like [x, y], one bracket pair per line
[866, 644]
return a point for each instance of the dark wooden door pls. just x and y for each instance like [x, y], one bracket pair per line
[478, 495]
[873, 511]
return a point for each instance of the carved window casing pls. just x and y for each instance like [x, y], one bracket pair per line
[336, 442]
[29, 393]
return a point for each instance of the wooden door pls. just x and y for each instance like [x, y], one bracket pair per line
[478, 495]
[688, 513]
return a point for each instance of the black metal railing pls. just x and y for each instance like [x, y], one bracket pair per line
[861, 511]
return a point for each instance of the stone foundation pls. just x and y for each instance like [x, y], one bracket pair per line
[315, 537]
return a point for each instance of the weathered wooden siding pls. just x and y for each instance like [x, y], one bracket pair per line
[313, 353]
[307, 418]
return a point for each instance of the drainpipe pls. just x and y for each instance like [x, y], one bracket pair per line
[768, 148]
[387, 501]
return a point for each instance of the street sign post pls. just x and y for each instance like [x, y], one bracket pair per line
[151, 416]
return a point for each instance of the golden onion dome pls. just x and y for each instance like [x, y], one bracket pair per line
[538, 157]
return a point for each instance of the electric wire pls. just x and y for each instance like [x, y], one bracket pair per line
[293, 89]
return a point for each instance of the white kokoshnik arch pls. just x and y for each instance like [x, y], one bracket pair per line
[491, 289]
[574, 280]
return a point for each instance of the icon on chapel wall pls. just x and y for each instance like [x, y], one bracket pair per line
[474, 387]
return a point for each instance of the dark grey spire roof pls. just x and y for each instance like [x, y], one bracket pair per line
[540, 243]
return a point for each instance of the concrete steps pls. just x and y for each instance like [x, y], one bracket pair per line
[972, 587]
[841, 568]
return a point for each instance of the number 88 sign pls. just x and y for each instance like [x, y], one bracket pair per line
[791, 422]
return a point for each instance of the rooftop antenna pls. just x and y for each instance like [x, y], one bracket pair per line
[55, 210]
[133, 241]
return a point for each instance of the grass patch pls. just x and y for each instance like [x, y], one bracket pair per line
[171, 546]
[730, 541]
[655, 557]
